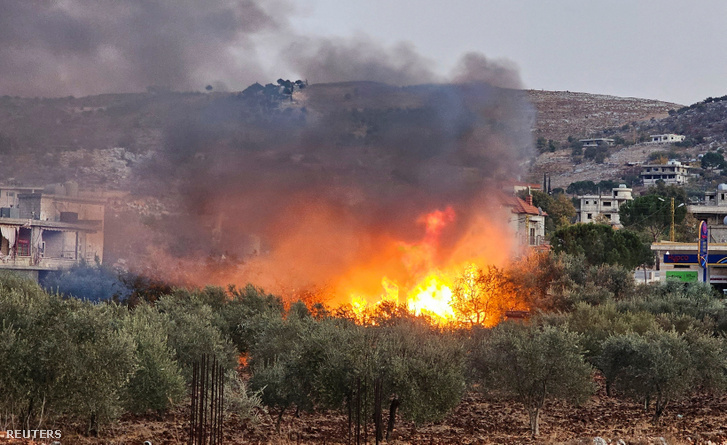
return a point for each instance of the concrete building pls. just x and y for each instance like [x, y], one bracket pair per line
[49, 229]
[595, 142]
[714, 211]
[666, 138]
[606, 205]
[673, 172]
[526, 220]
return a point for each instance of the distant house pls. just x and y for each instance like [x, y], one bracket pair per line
[49, 229]
[595, 142]
[526, 220]
[673, 172]
[666, 138]
[607, 205]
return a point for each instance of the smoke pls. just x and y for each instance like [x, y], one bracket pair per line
[475, 67]
[289, 185]
[330, 186]
[359, 58]
[79, 47]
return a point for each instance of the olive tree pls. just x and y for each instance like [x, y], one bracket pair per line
[532, 364]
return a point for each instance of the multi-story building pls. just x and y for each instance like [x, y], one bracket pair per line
[605, 205]
[49, 229]
[673, 172]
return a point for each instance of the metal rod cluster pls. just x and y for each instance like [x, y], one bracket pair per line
[206, 414]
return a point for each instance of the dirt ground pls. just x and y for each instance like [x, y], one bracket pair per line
[700, 419]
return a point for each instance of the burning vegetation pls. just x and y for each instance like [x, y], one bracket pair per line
[342, 192]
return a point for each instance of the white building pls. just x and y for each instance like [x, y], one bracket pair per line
[673, 172]
[49, 229]
[666, 138]
[526, 220]
[606, 205]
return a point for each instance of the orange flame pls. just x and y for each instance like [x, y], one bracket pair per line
[427, 288]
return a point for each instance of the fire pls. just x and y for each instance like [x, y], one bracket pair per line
[428, 285]
[433, 297]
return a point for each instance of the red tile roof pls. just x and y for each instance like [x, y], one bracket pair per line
[519, 206]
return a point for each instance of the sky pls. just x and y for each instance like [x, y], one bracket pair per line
[658, 49]
[670, 50]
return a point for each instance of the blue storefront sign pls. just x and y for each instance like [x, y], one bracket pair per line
[691, 258]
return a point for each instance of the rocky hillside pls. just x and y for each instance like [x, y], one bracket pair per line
[563, 113]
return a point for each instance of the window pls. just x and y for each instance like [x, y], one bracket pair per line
[589, 216]
[608, 216]
[532, 236]
[607, 203]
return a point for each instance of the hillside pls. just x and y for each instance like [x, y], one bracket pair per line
[99, 141]
[563, 113]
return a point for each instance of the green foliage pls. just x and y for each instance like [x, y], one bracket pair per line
[246, 314]
[312, 363]
[662, 366]
[239, 400]
[651, 214]
[712, 159]
[532, 364]
[598, 154]
[157, 383]
[559, 208]
[101, 355]
[194, 329]
[601, 244]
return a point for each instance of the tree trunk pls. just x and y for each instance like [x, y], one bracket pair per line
[280, 417]
[608, 388]
[534, 421]
[378, 426]
[392, 416]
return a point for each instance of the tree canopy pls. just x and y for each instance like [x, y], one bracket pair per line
[601, 244]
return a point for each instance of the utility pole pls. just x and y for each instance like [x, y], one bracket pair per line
[671, 229]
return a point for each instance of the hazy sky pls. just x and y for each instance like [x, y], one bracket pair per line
[659, 49]
[671, 50]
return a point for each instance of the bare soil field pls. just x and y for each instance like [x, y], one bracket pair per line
[477, 420]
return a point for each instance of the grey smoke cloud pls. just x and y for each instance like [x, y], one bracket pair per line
[358, 58]
[80, 47]
[53, 48]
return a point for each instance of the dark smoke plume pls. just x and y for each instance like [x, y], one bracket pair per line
[53, 48]
[360, 58]
[475, 67]
[302, 189]
[288, 184]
